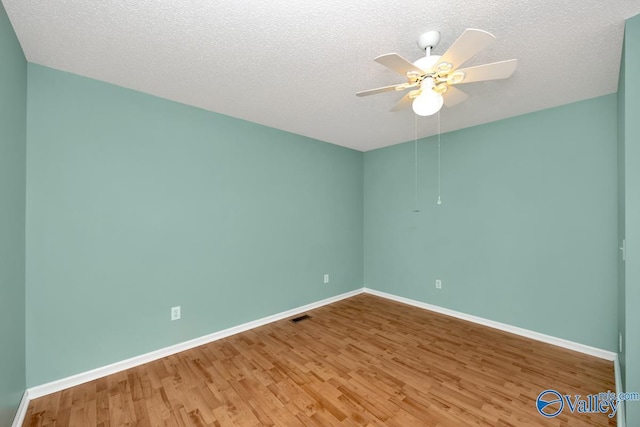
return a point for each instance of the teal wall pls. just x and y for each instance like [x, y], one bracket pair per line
[631, 182]
[136, 204]
[527, 231]
[13, 113]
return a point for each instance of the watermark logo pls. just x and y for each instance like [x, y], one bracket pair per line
[551, 403]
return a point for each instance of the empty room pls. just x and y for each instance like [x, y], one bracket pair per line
[335, 213]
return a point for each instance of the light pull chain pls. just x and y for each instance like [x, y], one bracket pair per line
[415, 155]
[439, 180]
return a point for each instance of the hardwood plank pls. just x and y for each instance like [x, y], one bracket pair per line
[364, 361]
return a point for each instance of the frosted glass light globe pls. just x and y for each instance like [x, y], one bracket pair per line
[428, 103]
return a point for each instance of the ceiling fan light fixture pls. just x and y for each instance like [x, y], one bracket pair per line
[441, 88]
[456, 78]
[444, 68]
[428, 103]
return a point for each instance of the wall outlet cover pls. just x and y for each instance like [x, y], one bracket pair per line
[175, 313]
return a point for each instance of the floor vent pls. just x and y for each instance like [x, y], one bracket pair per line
[300, 318]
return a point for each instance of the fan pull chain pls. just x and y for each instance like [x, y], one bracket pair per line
[415, 155]
[439, 188]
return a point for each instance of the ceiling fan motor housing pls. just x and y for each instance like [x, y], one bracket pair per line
[426, 63]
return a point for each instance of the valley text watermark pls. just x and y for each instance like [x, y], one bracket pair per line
[551, 403]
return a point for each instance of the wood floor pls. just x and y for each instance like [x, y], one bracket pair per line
[364, 361]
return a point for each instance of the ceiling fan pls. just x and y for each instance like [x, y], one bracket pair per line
[433, 78]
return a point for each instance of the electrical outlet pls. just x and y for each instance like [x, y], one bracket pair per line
[175, 313]
[438, 284]
[326, 278]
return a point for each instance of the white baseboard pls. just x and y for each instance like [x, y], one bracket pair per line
[620, 415]
[592, 351]
[58, 385]
[22, 410]
[64, 383]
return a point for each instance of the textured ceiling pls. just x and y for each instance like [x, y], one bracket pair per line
[296, 66]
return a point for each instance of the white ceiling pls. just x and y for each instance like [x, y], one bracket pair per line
[296, 66]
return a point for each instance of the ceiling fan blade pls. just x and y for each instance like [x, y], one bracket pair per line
[397, 63]
[403, 104]
[401, 86]
[454, 96]
[492, 71]
[468, 44]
